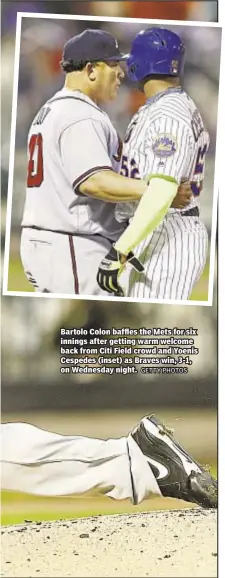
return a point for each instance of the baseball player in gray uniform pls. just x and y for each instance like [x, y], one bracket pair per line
[166, 139]
[147, 461]
[73, 180]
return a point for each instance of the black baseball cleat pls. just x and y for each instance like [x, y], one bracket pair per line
[177, 475]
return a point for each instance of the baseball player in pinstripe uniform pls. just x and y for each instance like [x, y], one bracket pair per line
[167, 140]
[73, 180]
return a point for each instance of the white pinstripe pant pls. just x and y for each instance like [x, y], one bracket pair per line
[174, 257]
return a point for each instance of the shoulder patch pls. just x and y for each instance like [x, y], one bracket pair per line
[164, 145]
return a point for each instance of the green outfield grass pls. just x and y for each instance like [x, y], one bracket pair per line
[200, 291]
[17, 281]
[17, 511]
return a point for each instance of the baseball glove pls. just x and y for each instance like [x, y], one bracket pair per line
[111, 268]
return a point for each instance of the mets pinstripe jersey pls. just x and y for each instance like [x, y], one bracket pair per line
[167, 136]
[70, 139]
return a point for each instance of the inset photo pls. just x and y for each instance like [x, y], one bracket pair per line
[113, 179]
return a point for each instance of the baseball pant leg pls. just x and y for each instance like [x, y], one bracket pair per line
[39, 462]
[88, 252]
[174, 258]
[61, 263]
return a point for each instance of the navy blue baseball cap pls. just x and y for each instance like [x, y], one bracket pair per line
[92, 46]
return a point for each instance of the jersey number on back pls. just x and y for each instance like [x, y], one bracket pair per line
[197, 182]
[35, 172]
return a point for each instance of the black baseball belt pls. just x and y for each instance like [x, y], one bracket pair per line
[194, 212]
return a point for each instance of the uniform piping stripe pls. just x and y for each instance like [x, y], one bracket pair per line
[87, 174]
[74, 265]
[75, 98]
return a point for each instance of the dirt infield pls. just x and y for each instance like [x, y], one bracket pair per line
[164, 543]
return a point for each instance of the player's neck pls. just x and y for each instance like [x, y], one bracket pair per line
[155, 85]
[79, 85]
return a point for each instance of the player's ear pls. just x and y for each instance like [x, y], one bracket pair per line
[91, 70]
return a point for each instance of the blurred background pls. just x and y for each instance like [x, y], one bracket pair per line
[40, 77]
[34, 390]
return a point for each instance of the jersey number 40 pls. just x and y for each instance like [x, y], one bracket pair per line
[35, 172]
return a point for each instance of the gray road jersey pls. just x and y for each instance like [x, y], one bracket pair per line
[70, 139]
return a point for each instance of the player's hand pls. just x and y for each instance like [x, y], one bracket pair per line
[111, 268]
[183, 196]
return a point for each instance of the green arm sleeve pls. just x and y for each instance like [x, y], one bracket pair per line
[151, 210]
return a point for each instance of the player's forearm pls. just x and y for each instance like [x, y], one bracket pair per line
[151, 210]
[114, 188]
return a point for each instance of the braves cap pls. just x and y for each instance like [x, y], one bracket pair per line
[92, 46]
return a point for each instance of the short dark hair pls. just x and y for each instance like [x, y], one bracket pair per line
[70, 65]
[73, 66]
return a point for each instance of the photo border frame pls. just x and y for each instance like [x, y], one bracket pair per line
[218, 152]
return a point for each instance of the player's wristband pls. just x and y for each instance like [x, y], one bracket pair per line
[151, 176]
[152, 208]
